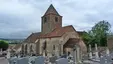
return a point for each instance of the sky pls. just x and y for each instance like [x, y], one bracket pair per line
[20, 18]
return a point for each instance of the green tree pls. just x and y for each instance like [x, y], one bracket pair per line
[86, 37]
[99, 33]
[3, 45]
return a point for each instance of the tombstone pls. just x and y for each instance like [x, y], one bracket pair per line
[13, 60]
[32, 59]
[39, 60]
[109, 59]
[53, 59]
[107, 52]
[102, 60]
[106, 60]
[96, 52]
[24, 60]
[90, 52]
[62, 61]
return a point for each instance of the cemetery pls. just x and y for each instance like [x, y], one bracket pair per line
[57, 44]
[92, 58]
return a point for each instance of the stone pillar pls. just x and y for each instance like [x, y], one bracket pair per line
[90, 52]
[96, 51]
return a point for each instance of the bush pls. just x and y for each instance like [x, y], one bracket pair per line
[3, 45]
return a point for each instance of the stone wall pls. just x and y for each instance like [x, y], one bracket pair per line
[110, 43]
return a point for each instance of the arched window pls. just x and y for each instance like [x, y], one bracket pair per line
[56, 19]
[31, 49]
[53, 47]
[45, 19]
[44, 45]
[26, 49]
[22, 48]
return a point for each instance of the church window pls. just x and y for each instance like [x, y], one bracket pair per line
[45, 19]
[53, 47]
[26, 49]
[44, 45]
[56, 19]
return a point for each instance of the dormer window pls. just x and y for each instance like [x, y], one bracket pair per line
[45, 19]
[56, 19]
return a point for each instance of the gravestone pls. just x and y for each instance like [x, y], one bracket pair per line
[39, 60]
[53, 59]
[13, 60]
[90, 52]
[32, 59]
[24, 60]
[96, 52]
[102, 60]
[106, 60]
[62, 61]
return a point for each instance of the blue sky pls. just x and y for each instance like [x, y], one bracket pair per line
[20, 18]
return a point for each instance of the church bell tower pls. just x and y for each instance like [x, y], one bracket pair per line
[51, 20]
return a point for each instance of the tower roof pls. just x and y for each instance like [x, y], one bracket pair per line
[51, 10]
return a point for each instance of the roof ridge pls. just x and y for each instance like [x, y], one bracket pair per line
[50, 10]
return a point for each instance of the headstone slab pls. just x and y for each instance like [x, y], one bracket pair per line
[53, 59]
[13, 60]
[62, 61]
[106, 60]
[39, 60]
[102, 59]
[32, 58]
[23, 61]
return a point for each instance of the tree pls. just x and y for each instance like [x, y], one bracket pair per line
[86, 38]
[99, 33]
[3, 45]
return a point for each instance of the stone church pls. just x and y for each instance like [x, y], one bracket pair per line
[54, 39]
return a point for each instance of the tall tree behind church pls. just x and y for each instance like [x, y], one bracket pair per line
[99, 33]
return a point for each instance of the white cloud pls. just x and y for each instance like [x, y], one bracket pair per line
[24, 16]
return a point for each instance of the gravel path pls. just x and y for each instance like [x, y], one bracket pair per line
[3, 61]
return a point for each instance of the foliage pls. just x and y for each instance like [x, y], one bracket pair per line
[3, 45]
[98, 34]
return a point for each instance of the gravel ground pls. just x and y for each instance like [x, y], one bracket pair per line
[3, 61]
